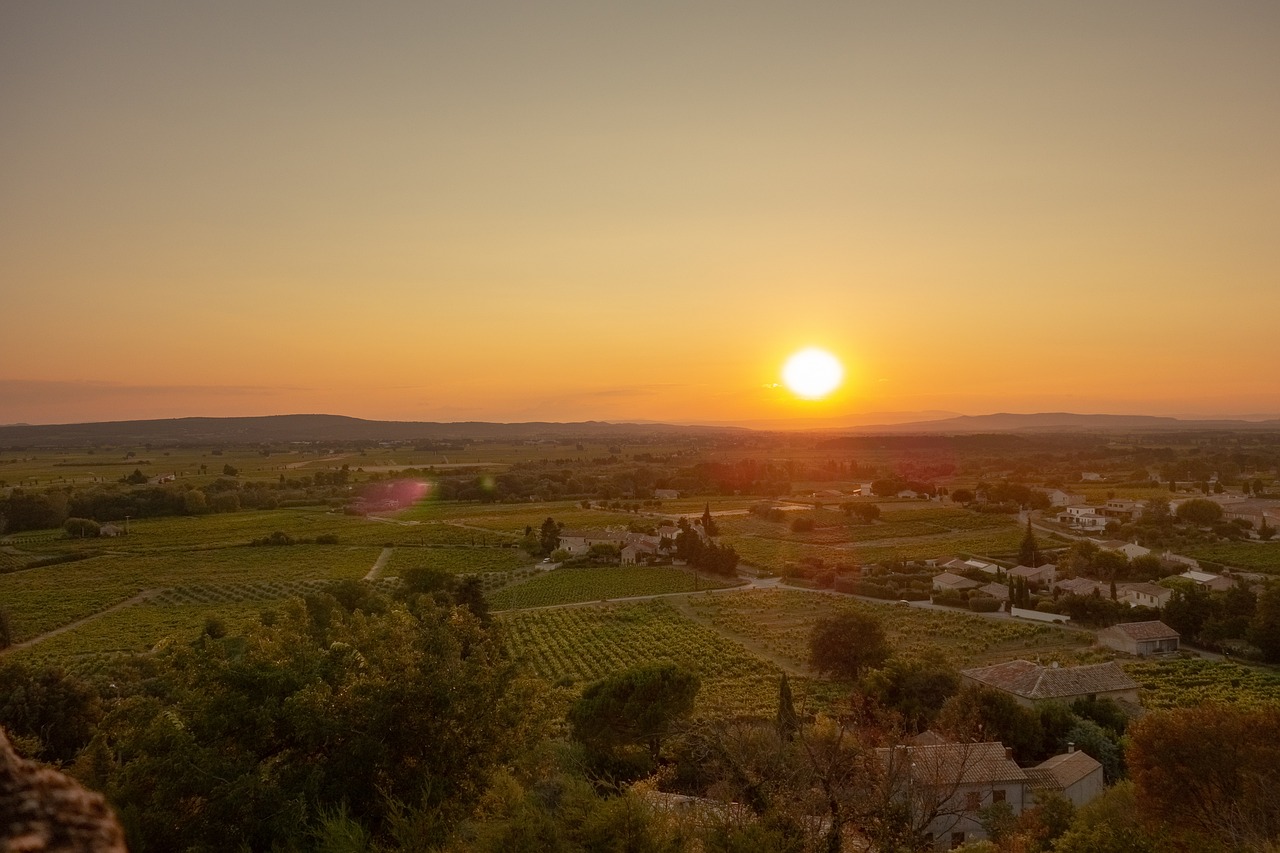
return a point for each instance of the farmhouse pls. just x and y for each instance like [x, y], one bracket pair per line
[1144, 594]
[1083, 518]
[1212, 582]
[578, 542]
[637, 551]
[1030, 683]
[1123, 509]
[1073, 774]
[1047, 573]
[947, 582]
[1082, 586]
[998, 591]
[665, 494]
[1140, 638]
[1059, 498]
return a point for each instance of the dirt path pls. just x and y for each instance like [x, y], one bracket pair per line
[379, 564]
[479, 529]
[305, 462]
[70, 626]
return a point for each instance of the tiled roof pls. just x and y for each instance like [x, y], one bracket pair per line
[1146, 589]
[954, 581]
[948, 764]
[1081, 586]
[1069, 767]
[1146, 630]
[995, 590]
[1033, 681]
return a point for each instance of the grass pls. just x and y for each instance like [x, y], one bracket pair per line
[781, 620]
[576, 646]
[773, 554]
[570, 586]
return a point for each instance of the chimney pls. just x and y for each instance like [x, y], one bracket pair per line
[1071, 747]
[1008, 753]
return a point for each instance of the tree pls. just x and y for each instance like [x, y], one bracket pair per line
[847, 644]
[786, 721]
[1200, 512]
[6, 629]
[982, 714]
[962, 496]
[708, 523]
[1029, 549]
[1264, 628]
[1210, 774]
[230, 470]
[1110, 824]
[82, 528]
[549, 536]
[634, 707]
[915, 688]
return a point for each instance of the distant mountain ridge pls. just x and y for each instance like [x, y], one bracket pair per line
[312, 428]
[278, 428]
[1061, 421]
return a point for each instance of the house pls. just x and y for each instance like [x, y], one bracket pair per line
[1133, 550]
[1123, 508]
[1211, 582]
[1144, 594]
[638, 551]
[1082, 586]
[1031, 683]
[947, 582]
[1045, 574]
[1257, 512]
[998, 591]
[576, 542]
[1091, 477]
[1082, 518]
[959, 565]
[953, 782]
[109, 530]
[1074, 774]
[1059, 498]
[665, 494]
[1140, 638]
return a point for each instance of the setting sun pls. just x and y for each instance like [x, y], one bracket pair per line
[812, 373]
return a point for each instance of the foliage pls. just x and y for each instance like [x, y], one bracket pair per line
[55, 710]
[635, 707]
[1199, 511]
[1110, 824]
[915, 688]
[410, 707]
[845, 645]
[979, 714]
[1210, 773]
[1264, 629]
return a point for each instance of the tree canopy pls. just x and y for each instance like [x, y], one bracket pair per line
[847, 644]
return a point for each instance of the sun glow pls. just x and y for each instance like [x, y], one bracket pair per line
[812, 373]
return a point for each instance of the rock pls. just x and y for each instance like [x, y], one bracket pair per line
[44, 811]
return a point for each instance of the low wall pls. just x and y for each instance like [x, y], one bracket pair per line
[1038, 616]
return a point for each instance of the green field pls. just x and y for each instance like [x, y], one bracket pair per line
[781, 621]
[580, 645]
[457, 560]
[569, 586]
[39, 600]
[1257, 556]
[773, 554]
[1187, 682]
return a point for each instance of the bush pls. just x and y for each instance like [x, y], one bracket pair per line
[984, 604]
[801, 525]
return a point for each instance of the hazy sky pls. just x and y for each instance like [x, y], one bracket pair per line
[561, 211]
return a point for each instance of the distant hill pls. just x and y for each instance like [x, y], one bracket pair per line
[278, 428]
[1062, 422]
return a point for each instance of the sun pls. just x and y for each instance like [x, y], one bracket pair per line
[812, 373]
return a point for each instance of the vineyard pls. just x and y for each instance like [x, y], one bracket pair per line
[571, 586]
[773, 554]
[781, 620]
[1186, 682]
[458, 560]
[576, 646]
[1258, 556]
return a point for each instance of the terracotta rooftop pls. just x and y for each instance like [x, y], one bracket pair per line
[954, 581]
[1069, 767]
[1146, 630]
[954, 763]
[1033, 681]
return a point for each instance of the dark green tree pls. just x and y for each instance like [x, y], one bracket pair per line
[634, 707]
[708, 523]
[1264, 628]
[1029, 549]
[786, 721]
[845, 645]
[549, 536]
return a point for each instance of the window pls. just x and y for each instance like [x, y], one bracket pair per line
[998, 795]
[957, 840]
[973, 800]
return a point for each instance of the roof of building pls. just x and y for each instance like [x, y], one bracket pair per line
[1033, 681]
[1068, 768]
[954, 763]
[1155, 630]
[1144, 588]
[995, 590]
[1080, 586]
[1033, 571]
[954, 581]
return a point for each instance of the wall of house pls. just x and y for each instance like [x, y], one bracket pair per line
[1086, 790]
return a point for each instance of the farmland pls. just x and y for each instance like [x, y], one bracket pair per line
[1187, 682]
[575, 646]
[1257, 556]
[573, 585]
[781, 620]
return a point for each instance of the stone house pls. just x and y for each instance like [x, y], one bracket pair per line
[1032, 684]
[1140, 638]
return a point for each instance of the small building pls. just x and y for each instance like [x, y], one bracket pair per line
[998, 591]
[947, 582]
[1140, 638]
[1123, 508]
[1045, 574]
[1082, 586]
[577, 543]
[109, 530]
[665, 494]
[1144, 594]
[1031, 683]
[1074, 774]
[638, 550]
[1059, 498]
[1083, 518]
[1208, 580]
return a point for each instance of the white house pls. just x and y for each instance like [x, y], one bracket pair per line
[1144, 594]
[947, 582]
[1074, 774]
[1046, 574]
[1083, 518]
[1059, 498]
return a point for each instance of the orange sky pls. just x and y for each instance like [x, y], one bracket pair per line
[563, 211]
